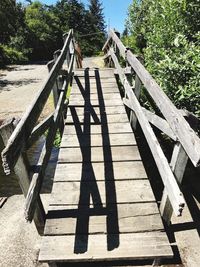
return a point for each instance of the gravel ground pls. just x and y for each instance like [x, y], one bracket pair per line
[19, 241]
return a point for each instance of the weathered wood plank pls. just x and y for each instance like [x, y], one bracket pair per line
[102, 88]
[92, 80]
[157, 121]
[104, 73]
[131, 218]
[98, 119]
[124, 246]
[98, 140]
[99, 154]
[96, 129]
[101, 193]
[93, 90]
[107, 102]
[39, 130]
[86, 96]
[178, 164]
[126, 170]
[95, 110]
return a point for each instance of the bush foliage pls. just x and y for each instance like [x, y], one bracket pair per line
[166, 33]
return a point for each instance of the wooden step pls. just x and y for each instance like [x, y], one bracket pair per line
[101, 193]
[97, 129]
[89, 118]
[98, 140]
[124, 218]
[95, 110]
[98, 154]
[126, 170]
[102, 247]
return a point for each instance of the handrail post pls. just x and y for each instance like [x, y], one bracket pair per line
[178, 164]
[137, 90]
[68, 52]
[116, 49]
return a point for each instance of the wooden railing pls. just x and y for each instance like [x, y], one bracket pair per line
[28, 130]
[172, 123]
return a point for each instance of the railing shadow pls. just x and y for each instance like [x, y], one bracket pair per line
[88, 185]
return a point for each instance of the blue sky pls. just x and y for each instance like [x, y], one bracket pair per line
[115, 11]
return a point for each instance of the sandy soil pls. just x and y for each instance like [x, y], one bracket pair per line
[18, 86]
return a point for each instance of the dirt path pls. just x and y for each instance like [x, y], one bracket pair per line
[18, 86]
[94, 62]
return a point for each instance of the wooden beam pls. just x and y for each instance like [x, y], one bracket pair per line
[18, 139]
[137, 90]
[155, 120]
[119, 44]
[178, 164]
[107, 42]
[39, 130]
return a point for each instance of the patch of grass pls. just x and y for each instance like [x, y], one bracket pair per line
[57, 139]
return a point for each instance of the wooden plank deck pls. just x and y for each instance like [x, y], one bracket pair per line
[102, 206]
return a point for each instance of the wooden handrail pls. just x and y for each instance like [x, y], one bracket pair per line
[28, 131]
[185, 134]
[166, 174]
[37, 179]
[19, 138]
[173, 124]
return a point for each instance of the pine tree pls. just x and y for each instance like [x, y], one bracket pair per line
[97, 24]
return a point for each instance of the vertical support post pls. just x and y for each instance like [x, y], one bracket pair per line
[68, 52]
[21, 171]
[55, 86]
[59, 80]
[137, 90]
[178, 164]
[116, 49]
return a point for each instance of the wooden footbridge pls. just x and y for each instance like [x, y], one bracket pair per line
[102, 206]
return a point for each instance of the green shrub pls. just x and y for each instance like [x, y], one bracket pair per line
[10, 55]
[167, 34]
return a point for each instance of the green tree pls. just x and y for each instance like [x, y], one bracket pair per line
[41, 23]
[97, 24]
[167, 33]
[7, 20]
